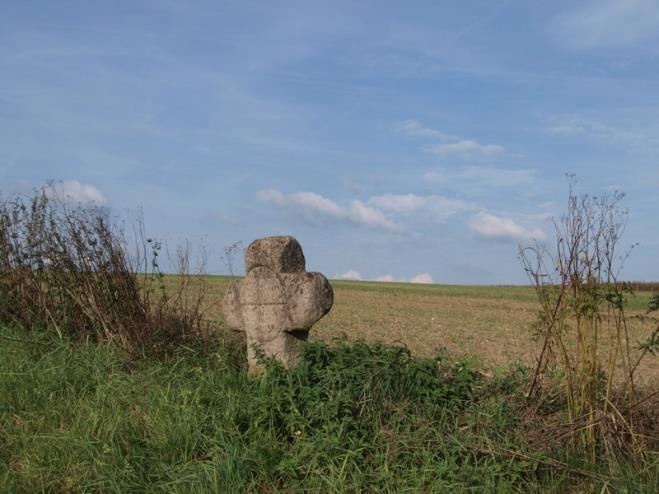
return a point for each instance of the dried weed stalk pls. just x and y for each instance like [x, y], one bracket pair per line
[582, 322]
[67, 268]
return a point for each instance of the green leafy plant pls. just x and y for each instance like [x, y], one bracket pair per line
[653, 305]
[651, 345]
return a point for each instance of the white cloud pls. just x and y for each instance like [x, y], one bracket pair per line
[317, 203]
[444, 207]
[398, 203]
[308, 201]
[503, 229]
[350, 275]
[448, 144]
[467, 149]
[607, 23]
[75, 192]
[423, 278]
[413, 127]
[372, 213]
[441, 207]
[313, 207]
[493, 176]
[362, 214]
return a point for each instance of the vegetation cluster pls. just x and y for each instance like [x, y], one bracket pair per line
[352, 417]
[68, 268]
[583, 299]
[113, 380]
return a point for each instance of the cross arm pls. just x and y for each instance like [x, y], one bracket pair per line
[310, 297]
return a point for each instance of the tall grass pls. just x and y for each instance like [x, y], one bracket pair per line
[349, 418]
[67, 268]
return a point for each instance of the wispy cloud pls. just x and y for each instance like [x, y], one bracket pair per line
[313, 207]
[413, 127]
[441, 207]
[423, 278]
[376, 212]
[467, 149]
[398, 203]
[76, 192]
[350, 275]
[353, 275]
[607, 23]
[574, 125]
[503, 229]
[448, 145]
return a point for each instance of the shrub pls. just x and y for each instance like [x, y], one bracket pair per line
[350, 385]
[651, 345]
[66, 268]
[582, 322]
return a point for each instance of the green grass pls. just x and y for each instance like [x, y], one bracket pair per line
[352, 417]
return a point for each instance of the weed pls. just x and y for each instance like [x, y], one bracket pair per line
[230, 253]
[577, 284]
[66, 268]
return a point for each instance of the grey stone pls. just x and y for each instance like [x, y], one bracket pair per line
[277, 302]
[280, 254]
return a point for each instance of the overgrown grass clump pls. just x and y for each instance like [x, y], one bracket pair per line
[70, 269]
[349, 418]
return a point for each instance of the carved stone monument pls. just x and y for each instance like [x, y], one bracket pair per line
[277, 302]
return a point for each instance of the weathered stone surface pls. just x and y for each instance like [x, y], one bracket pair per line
[277, 302]
[280, 254]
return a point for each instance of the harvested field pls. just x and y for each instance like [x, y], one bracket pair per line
[490, 323]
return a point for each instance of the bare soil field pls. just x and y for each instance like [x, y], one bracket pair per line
[490, 323]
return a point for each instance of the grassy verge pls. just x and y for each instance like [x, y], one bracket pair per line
[351, 418]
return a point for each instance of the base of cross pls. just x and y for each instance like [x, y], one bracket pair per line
[285, 349]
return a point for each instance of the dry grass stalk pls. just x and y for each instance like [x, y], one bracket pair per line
[577, 284]
[67, 268]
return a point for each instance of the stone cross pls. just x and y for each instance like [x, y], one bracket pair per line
[277, 302]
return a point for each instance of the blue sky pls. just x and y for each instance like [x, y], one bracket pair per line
[395, 140]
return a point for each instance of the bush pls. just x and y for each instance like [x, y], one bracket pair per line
[347, 386]
[66, 268]
[583, 325]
